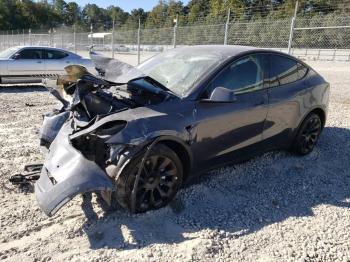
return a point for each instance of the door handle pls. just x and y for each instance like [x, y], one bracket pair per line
[39, 62]
[67, 62]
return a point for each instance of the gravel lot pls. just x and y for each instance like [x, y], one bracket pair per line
[276, 207]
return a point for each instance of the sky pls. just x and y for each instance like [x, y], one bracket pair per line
[126, 5]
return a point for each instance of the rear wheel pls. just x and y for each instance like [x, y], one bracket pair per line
[160, 179]
[307, 135]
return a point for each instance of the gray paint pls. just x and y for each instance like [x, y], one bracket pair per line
[51, 126]
[210, 132]
[72, 173]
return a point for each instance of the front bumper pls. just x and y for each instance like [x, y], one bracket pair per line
[67, 173]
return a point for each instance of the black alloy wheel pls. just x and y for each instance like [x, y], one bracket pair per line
[160, 179]
[308, 134]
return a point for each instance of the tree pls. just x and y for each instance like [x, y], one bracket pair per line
[197, 9]
[133, 19]
[174, 8]
[157, 17]
[60, 8]
[45, 14]
[94, 15]
[117, 14]
[219, 9]
[73, 14]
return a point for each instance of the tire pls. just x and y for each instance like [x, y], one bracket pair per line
[307, 135]
[159, 181]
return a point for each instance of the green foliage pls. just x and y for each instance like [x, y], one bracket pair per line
[25, 14]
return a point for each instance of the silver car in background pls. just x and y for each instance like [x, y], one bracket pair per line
[29, 64]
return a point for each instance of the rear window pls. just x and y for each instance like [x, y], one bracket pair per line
[282, 70]
[302, 70]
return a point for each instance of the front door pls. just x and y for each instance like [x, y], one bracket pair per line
[27, 62]
[222, 128]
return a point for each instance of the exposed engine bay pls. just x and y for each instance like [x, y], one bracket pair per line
[87, 99]
[82, 140]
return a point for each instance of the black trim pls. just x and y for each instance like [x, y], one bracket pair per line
[278, 78]
[196, 92]
[229, 63]
[30, 76]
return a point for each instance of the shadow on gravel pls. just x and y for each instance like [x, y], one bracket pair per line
[237, 200]
[22, 89]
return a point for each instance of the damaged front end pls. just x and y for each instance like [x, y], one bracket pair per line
[66, 173]
[76, 137]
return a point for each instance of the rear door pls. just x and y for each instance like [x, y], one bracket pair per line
[286, 98]
[56, 61]
[27, 62]
[222, 128]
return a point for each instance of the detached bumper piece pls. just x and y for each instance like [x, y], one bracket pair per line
[65, 174]
[31, 174]
[51, 197]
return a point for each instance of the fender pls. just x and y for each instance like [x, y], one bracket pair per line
[301, 120]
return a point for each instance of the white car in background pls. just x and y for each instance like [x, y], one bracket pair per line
[30, 64]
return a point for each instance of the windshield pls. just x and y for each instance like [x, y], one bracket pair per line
[8, 52]
[179, 69]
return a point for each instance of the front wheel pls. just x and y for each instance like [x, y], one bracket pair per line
[160, 179]
[307, 135]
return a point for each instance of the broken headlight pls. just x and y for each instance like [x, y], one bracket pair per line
[93, 144]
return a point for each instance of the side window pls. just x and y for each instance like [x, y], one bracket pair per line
[244, 75]
[283, 70]
[302, 71]
[31, 54]
[55, 54]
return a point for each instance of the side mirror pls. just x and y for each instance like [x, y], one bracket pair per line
[16, 56]
[221, 95]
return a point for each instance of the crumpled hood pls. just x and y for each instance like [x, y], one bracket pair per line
[144, 123]
[114, 70]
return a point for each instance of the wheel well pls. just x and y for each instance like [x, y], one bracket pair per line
[321, 114]
[182, 153]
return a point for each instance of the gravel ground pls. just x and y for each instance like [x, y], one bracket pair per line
[276, 207]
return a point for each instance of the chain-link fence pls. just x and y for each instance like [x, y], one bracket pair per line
[321, 38]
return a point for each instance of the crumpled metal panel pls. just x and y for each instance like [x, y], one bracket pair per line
[114, 70]
[51, 125]
[67, 173]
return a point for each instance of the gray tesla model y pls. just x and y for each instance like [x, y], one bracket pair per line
[136, 135]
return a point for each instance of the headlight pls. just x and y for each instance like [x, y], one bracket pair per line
[92, 144]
